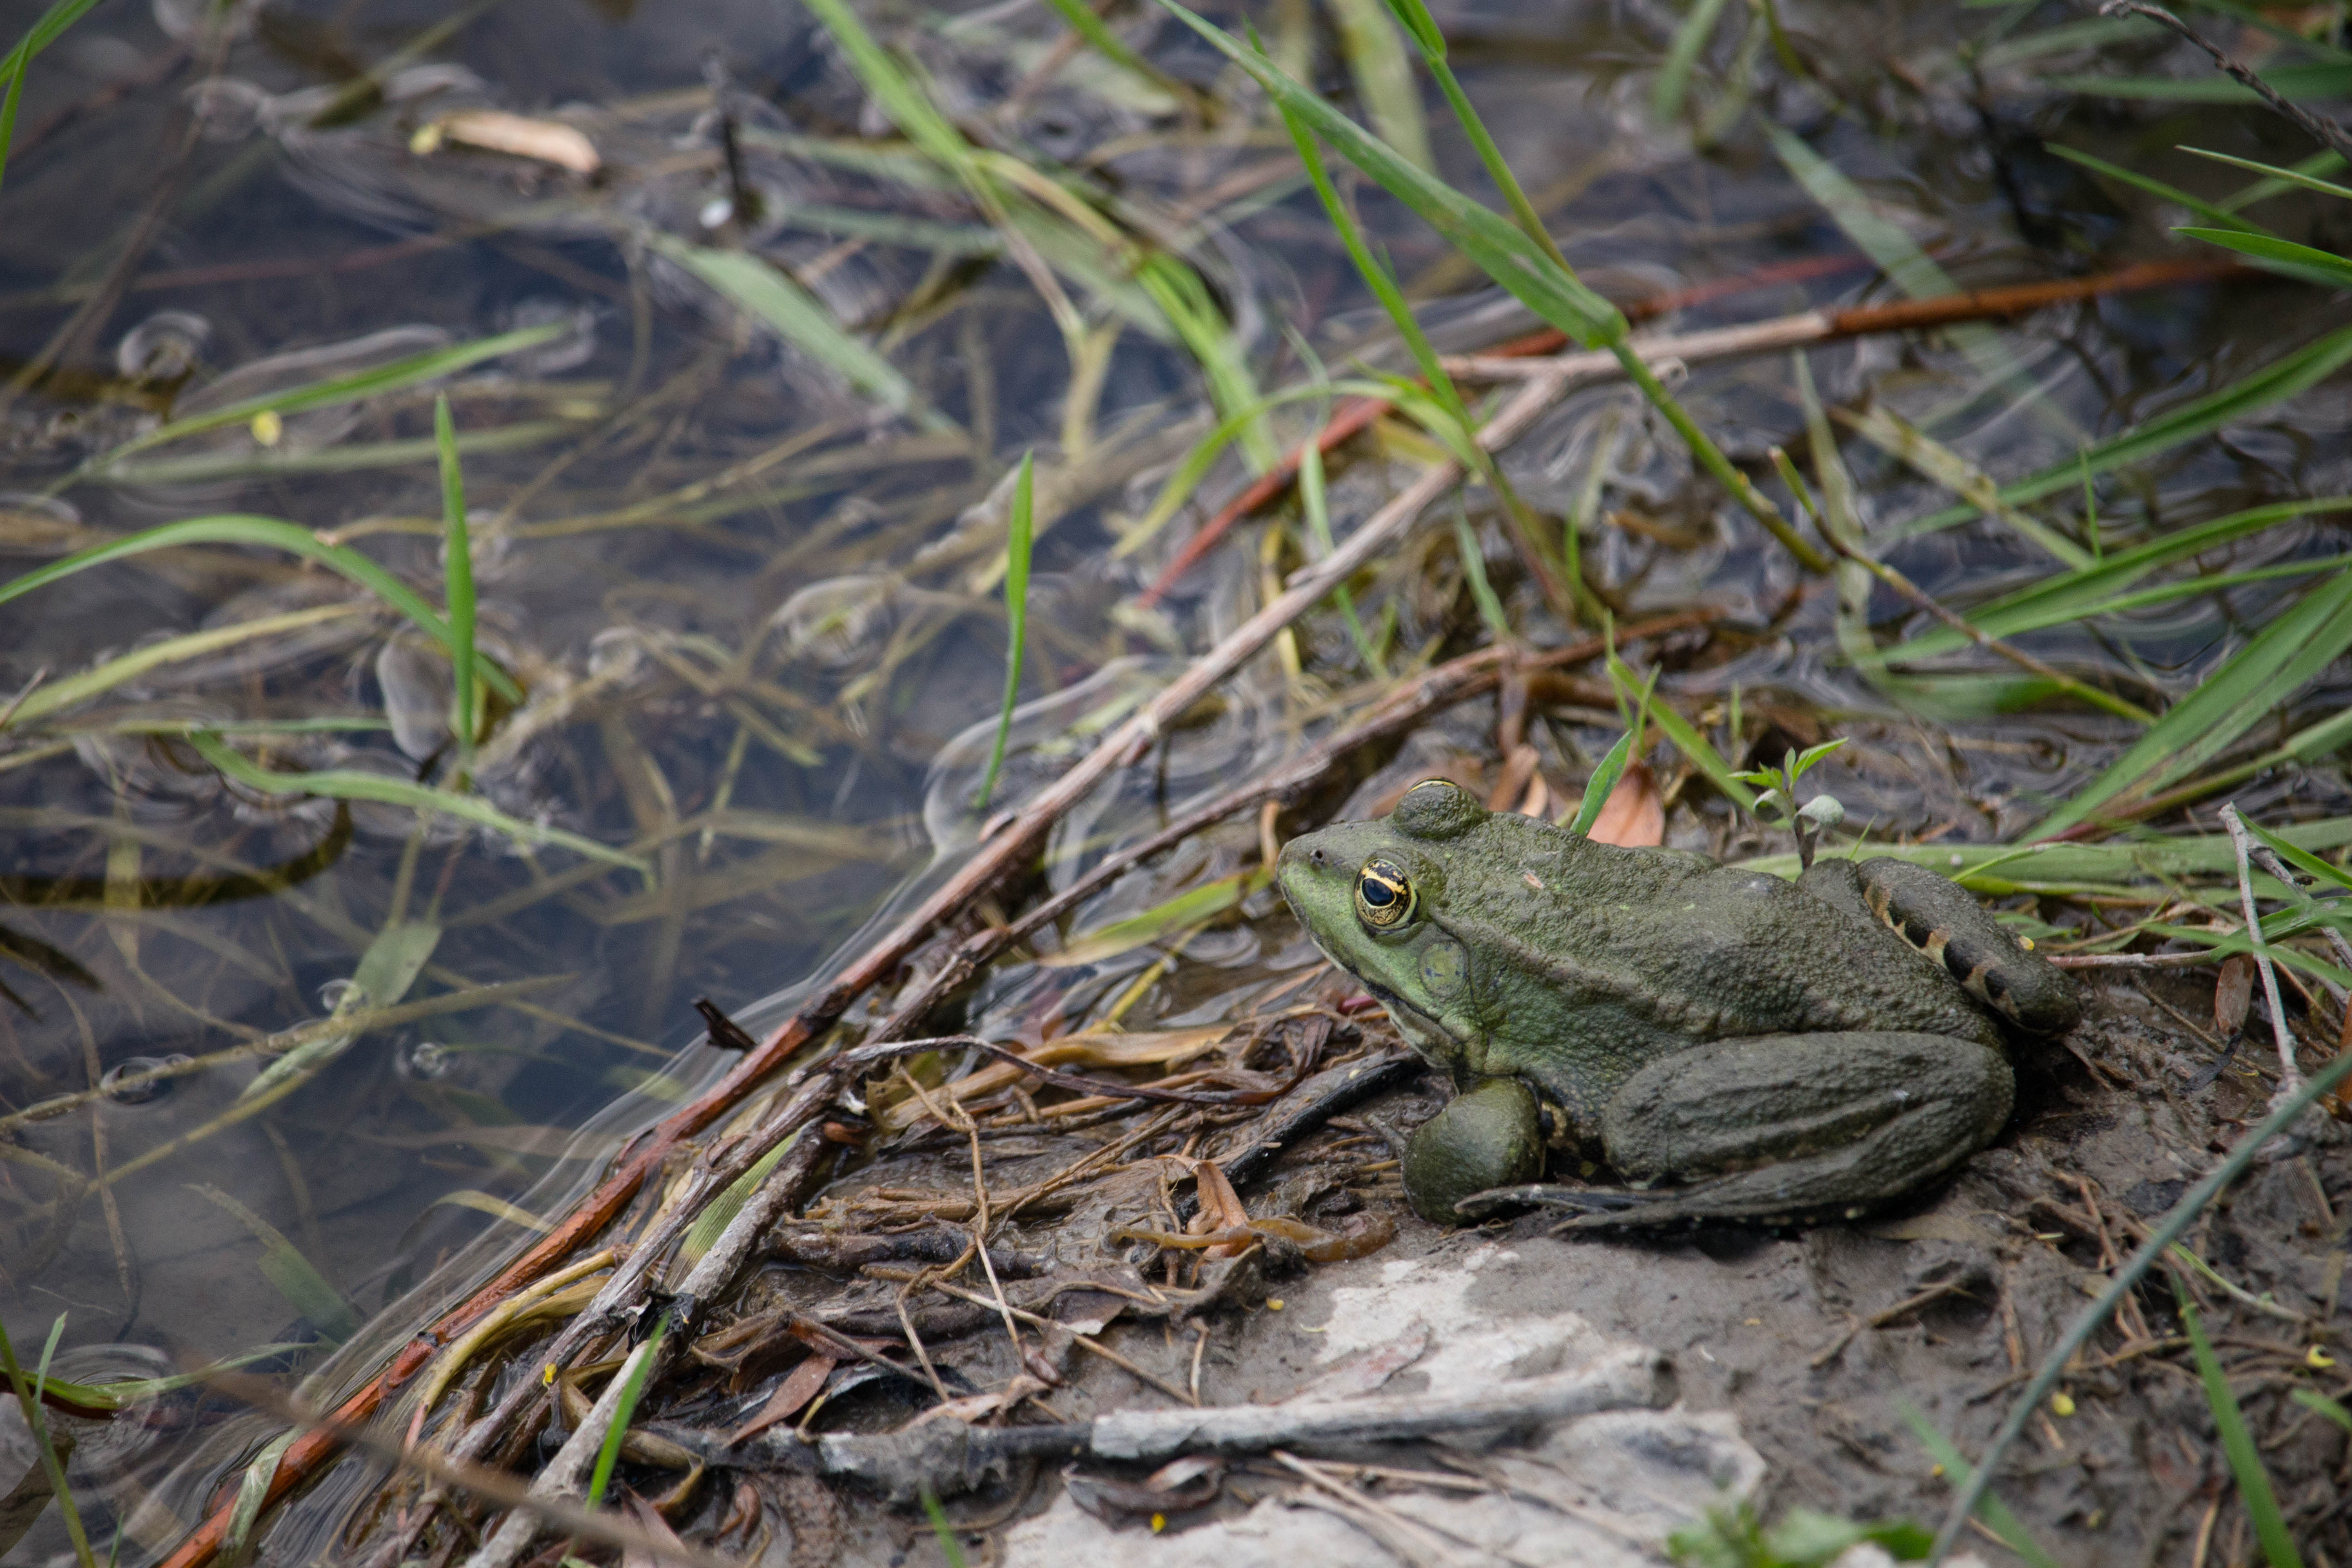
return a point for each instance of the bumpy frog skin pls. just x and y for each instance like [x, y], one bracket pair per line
[1741, 1048]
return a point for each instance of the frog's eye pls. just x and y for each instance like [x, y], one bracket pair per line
[1384, 897]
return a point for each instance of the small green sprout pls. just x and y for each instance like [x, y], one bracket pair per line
[1777, 792]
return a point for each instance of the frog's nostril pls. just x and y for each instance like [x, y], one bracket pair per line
[1316, 856]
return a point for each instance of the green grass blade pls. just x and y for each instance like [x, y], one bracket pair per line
[893, 90]
[358, 385]
[458, 580]
[1686, 739]
[349, 784]
[2155, 187]
[343, 458]
[1681, 55]
[293, 1275]
[1107, 43]
[1530, 271]
[1901, 439]
[2238, 1444]
[942, 1531]
[12, 74]
[1186, 910]
[1597, 787]
[122, 1394]
[271, 533]
[2294, 83]
[2278, 180]
[252, 1494]
[1889, 244]
[1183, 299]
[1315, 502]
[794, 314]
[54, 21]
[1423, 28]
[1384, 78]
[1376, 276]
[2273, 665]
[1886, 242]
[1493, 242]
[385, 972]
[2098, 586]
[28, 1404]
[2320, 1404]
[1474, 571]
[2282, 256]
[1958, 1472]
[2281, 378]
[639, 1372]
[1210, 447]
[56, 696]
[1016, 621]
[720, 1212]
[2303, 859]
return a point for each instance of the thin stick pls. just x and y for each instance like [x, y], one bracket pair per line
[1085, 1342]
[2087, 1322]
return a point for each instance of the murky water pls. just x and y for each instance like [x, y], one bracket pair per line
[756, 613]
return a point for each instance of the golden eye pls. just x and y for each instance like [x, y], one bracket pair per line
[1384, 898]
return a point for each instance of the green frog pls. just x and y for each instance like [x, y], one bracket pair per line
[1736, 1046]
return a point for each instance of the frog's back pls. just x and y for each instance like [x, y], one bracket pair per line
[1612, 956]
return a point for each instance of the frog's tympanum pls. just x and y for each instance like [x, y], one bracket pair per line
[1734, 1045]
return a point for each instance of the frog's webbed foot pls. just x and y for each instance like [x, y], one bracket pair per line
[1944, 921]
[1781, 1128]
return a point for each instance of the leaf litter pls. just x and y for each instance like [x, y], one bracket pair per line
[739, 359]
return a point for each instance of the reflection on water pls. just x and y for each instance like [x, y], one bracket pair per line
[755, 616]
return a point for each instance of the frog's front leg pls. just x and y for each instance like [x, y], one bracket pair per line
[1778, 1126]
[1489, 1136]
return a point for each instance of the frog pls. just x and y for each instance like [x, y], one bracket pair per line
[1739, 1047]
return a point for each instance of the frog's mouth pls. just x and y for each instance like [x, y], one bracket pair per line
[1424, 1034]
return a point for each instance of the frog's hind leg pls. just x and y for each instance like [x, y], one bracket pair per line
[1944, 921]
[1783, 1127]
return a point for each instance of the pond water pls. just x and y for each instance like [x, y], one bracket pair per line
[747, 579]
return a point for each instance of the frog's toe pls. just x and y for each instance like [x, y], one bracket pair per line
[1600, 1201]
[1489, 1138]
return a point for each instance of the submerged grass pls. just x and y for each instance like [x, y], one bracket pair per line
[28, 1404]
[1016, 620]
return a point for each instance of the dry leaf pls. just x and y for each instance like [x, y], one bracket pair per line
[495, 131]
[2233, 993]
[1537, 801]
[798, 1387]
[1632, 817]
